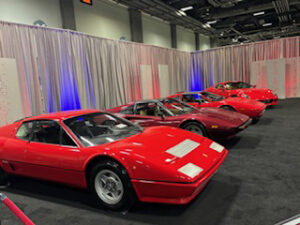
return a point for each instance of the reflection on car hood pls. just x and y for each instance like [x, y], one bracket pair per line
[225, 115]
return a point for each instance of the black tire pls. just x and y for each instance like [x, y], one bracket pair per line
[194, 126]
[227, 107]
[3, 177]
[255, 120]
[128, 197]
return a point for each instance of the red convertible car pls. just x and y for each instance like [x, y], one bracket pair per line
[245, 90]
[249, 107]
[209, 122]
[117, 160]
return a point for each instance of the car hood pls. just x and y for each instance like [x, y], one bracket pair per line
[160, 153]
[234, 118]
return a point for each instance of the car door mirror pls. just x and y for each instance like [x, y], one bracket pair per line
[254, 86]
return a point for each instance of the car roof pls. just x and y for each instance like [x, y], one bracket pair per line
[61, 115]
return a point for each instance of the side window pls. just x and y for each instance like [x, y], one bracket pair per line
[46, 132]
[66, 140]
[218, 86]
[50, 132]
[127, 110]
[147, 109]
[24, 131]
[189, 98]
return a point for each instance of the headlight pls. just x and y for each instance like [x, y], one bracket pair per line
[245, 96]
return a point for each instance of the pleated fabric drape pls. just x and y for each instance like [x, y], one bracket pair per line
[61, 69]
[234, 62]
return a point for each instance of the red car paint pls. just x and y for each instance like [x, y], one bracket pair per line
[152, 171]
[263, 95]
[218, 123]
[249, 107]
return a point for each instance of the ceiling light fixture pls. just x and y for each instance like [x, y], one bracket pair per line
[187, 8]
[180, 13]
[259, 13]
[267, 24]
[211, 22]
[206, 25]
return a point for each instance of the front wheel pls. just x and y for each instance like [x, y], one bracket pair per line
[195, 128]
[111, 186]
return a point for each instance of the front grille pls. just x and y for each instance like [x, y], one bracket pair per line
[266, 101]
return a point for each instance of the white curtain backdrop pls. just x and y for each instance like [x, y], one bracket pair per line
[235, 63]
[61, 69]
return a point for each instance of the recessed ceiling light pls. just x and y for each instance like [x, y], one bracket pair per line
[267, 24]
[187, 8]
[259, 13]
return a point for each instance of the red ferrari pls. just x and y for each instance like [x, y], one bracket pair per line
[209, 122]
[245, 90]
[249, 107]
[117, 160]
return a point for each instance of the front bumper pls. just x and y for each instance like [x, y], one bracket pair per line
[230, 132]
[173, 193]
[268, 102]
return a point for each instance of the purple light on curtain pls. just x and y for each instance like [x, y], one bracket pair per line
[196, 81]
[69, 97]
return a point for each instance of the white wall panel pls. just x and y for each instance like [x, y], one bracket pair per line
[276, 76]
[164, 80]
[204, 42]
[28, 11]
[156, 32]
[146, 81]
[102, 19]
[10, 96]
[292, 77]
[185, 40]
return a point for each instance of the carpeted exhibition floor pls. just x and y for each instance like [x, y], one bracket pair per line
[259, 183]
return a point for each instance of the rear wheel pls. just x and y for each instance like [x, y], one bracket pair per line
[111, 186]
[227, 107]
[195, 128]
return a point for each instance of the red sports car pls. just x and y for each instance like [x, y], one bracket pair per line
[209, 122]
[117, 160]
[249, 107]
[245, 90]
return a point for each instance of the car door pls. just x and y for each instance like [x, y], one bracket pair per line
[13, 149]
[52, 154]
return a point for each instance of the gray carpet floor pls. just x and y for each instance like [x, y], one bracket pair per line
[259, 183]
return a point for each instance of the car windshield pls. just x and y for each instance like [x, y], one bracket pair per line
[177, 107]
[212, 97]
[237, 85]
[99, 128]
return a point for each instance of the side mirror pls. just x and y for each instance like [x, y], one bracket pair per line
[254, 86]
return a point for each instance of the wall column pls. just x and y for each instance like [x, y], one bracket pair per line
[136, 25]
[173, 36]
[67, 14]
[197, 41]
